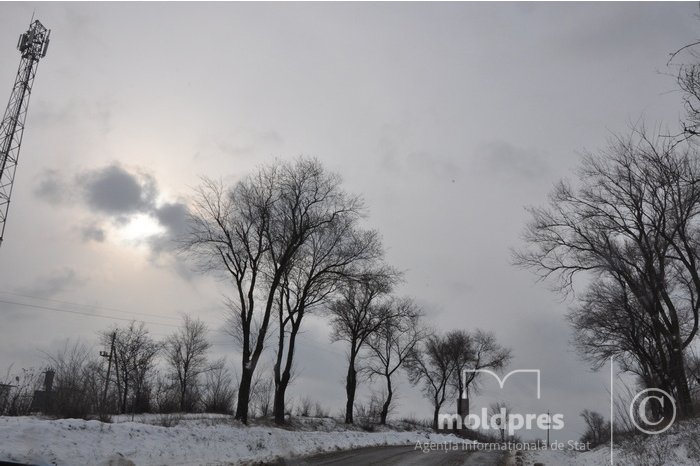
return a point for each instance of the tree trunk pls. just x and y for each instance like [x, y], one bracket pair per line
[183, 394]
[387, 401]
[244, 395]
[282, 380]
[278, 404]
[435, 416]
[350, 388]
[125, 395]
[278, 407]
[677, 368]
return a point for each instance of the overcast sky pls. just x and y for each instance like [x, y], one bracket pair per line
[447, 118]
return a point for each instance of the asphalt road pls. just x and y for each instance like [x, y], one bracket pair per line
[401, 456]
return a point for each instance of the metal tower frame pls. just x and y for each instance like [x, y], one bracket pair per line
[32, 45]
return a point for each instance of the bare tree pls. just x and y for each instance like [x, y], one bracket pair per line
[262, 392]
[337, 251]
[597, 428]
[501, 412]
[185, 352]
[135, 352]
[608, 321]
[219, 390]
[254, 233]
[688, 79]
[433, 364]
[391, 344]
[632, 223]
[474, 351]
[363, 307]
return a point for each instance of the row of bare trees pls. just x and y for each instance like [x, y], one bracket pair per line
[291, 242]
[286, 236]
[137, 374]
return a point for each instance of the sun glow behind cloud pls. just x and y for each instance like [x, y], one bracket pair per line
[140, 227]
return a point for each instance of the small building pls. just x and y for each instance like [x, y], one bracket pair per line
[42, 398]
[4, 396]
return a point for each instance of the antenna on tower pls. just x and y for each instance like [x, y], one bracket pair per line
[32, 45]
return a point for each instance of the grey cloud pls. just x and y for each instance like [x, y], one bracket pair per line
[53, 283]
[173, 217]
[440, 167]
[396, 158]
[502, 157]
[115, 194]
[115, 191]
[93, 232]
[51, 187]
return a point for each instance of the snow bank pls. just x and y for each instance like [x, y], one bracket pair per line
[680, 446]
[204, 441]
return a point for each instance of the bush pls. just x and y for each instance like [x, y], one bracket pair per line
[77, 382]
[219, 391]
[368, 414]
[320, 411]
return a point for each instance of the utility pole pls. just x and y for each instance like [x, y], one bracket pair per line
[32, 45]
[549, 426]
[109, 368]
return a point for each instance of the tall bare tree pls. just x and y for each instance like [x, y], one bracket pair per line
[363, 307]
[186, 353]
[633, 220]
[336, 252]
[392, 344]
[253, 233]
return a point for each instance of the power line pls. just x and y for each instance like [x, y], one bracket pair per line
[87, 314]
[90, 306]
[308, 340]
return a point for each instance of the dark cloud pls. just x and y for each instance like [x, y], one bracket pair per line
[115, 191]
[173, 217]
[116, 195]
[504, 158]
[93, 233]
[51, 284]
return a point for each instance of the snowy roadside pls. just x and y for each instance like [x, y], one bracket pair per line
[209, 441]
[680, 446]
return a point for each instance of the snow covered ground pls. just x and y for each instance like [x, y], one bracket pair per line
[181, 440]
[680, 446]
